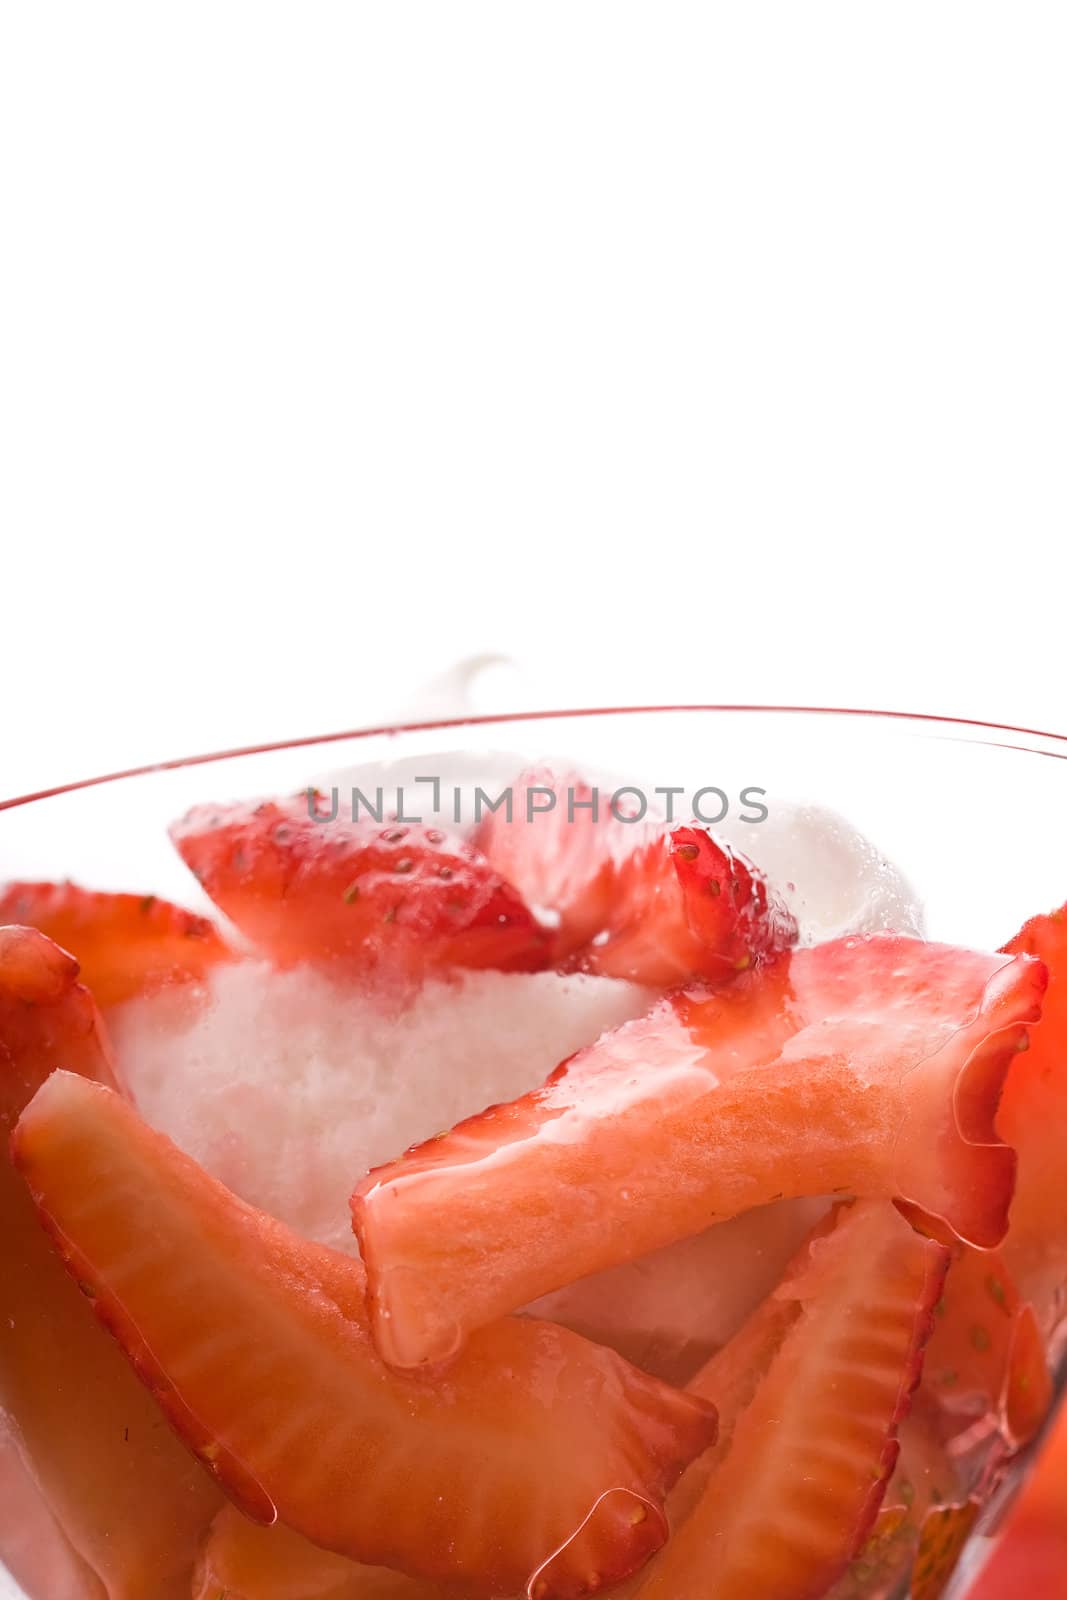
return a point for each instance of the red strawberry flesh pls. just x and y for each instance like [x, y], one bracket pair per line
[48, 1019]
[255, 1343]
[397, 900]
[799, 1485]
[559, 850]
[1033, 1118]
[986, 1357]
[653, 904]
[129, 1500]
[685, 907]
[866, 1065]
[923, 1480]
[125, 944]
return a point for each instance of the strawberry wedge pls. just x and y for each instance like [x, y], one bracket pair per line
[1033, 1118]
[131, 1503]
[641, 901]
[863, 1066]
[402, 901]
[559, 852]
[537, 1452]
[245, 1561]
[48, 1019]
[125, 944]
[800, 1483]
[685, 906]
[924, 1484]
[986, 1358]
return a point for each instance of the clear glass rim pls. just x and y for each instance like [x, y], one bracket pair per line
[969, 729]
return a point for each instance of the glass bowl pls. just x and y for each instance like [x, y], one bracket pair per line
[968, 816]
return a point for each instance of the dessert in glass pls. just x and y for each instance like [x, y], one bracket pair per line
[605, 1153]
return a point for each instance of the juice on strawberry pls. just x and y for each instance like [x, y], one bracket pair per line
[572, 1207]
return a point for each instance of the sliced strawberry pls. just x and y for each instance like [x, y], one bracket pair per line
[923, 1482]
[799, 1485]
[683, 907]
[867, 1065]
[645, 902]
[559, 849]
[47, 1019]
[986, 1358]
[406, 901]
[1033, 1117]
[669, 1311]
[130, 1501]
[922, 1478]
[536, 1451]
[244, 1561]
[124, 943]
[729, 1380]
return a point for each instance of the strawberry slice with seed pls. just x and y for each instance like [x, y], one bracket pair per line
[863, 1066]
[1033, 1116]
[797, 1489]
[641, 901]
[685, 906]
[48, 1019]
[535, 1452]
[395, 900]
[923, 1481]
[125, 944]
[129, 1500]
[986, 1357]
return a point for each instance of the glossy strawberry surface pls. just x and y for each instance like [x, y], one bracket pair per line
[392, 901]
[645, 901]
[128, 1500]
[125, 944]
[1033, 1118]
[536, 1453]
[797, 1487]
[866, 1065]
[986, 1360]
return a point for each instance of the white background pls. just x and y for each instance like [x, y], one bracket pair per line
[676, 352]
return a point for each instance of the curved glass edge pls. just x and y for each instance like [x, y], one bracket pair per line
[964, 729]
